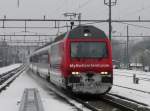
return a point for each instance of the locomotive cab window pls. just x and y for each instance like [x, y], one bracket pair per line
[88, 50]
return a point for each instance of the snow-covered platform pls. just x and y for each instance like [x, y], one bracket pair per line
[11, 97]
[9, 68]
[125, 78]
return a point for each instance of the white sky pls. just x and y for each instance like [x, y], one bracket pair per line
[90, 9]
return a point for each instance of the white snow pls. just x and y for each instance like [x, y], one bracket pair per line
[9, 68]
[125, 78]
[10, 98]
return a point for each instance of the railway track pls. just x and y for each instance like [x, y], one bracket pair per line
[116, 103]
[7, 78]
[125, 103]
[107, 102]
[138, 73]
[132, 89]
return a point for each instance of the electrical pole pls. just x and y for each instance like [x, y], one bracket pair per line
[79, 18]
[18, 3]
[110, 26]
[110, 4]
[127, 46]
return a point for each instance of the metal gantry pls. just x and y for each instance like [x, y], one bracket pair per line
[27, 26]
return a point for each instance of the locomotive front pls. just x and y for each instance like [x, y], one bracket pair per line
[89, 61]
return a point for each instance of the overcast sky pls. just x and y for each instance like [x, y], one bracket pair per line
[90, 9]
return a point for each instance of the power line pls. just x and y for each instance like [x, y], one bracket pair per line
[66, 20]
[131, 36]
[84, 4]
[34, 27]
[54, 35]
[62, 20]
[51, 20]
[28, 35]
[60, 6]
[140, 26]
[125, 20]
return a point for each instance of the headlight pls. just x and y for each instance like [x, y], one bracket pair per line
[75, 73]
[104, 72]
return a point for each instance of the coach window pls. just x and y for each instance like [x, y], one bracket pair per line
[44, 58]
[55, 54]
[31, 60]
[36, 58]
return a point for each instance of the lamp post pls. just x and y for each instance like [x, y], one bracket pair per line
[110, 3]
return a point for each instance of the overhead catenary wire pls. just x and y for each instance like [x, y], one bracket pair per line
[140, 26]
[131, 36]
[88, 22]
[59, 6]
[84, 4]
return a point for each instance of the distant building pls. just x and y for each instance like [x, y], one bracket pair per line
[116, 64]
[10, 54]
[147, 68]
[3, 53]
[137, 66]
[1, 62]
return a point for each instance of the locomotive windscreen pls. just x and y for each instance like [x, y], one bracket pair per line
[88, 50]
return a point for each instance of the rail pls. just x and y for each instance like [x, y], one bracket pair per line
[125, 103]
[8, 77]
[138, 73]
[5, 76]
[140, 78]
[131, 89]
[113, 101]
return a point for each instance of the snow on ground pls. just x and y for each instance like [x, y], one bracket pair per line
[119, 79]
[122, 80]
[9, 68]
[10, 98]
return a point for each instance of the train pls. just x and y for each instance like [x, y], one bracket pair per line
[79, 60]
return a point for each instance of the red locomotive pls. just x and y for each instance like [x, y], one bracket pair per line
[79, 60]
